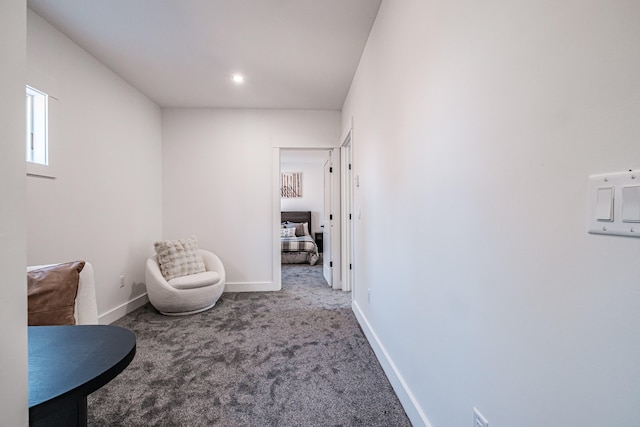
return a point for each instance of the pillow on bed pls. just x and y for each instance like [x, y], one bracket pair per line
[287, 232]
[302, 228]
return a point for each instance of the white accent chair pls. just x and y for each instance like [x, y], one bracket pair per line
[187, 294]
[86, 309]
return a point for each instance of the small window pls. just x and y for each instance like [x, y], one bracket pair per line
[37, 149]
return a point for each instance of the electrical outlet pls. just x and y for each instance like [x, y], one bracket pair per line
[478, 419]
[369, 295]
[122, 281]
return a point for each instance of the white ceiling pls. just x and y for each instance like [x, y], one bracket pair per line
[295, 54]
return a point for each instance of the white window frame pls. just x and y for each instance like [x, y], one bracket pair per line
[37, 142]
[37, 133]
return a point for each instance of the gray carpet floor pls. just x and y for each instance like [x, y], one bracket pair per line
[291, 358]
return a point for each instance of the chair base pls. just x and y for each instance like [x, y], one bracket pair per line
[186, 313]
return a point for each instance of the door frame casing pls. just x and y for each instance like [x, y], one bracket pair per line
[347, 215]
[276, 269]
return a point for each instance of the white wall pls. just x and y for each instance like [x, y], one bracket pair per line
[217, 180]
[311, 164]
[476, 125]
[13, 298]
[105, 204]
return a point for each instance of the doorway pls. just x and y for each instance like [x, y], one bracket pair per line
[318, 170]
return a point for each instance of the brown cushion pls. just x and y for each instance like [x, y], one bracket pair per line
[52, 294]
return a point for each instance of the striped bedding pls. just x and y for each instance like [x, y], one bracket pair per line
[298, 244]
[299, 250]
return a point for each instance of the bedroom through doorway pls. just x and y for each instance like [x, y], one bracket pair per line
[306, 215]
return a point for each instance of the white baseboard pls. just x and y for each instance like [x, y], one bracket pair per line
[406, 397]
[116, 313]
[251, 287]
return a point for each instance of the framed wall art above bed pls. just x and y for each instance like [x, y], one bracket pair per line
[291, 185]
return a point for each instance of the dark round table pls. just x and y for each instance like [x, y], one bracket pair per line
[67, 363]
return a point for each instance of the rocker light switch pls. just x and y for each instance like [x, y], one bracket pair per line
[631, 204]
[604, 204]
[614, 203]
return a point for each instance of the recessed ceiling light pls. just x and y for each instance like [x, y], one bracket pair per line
[237, 78]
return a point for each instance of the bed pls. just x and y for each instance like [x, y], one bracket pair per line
[297, 247]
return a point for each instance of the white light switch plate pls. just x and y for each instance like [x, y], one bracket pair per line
[600, 220]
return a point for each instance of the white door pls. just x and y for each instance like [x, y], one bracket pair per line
[327, 226]
[347, 216]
